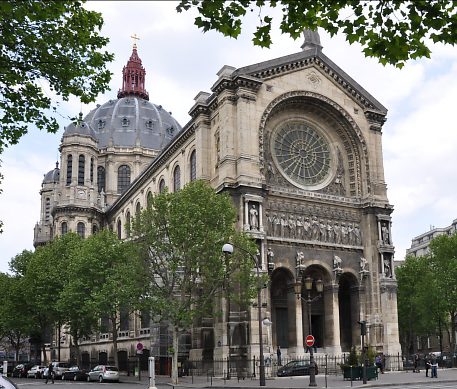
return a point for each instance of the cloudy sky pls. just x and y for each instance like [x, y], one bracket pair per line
[419, 137]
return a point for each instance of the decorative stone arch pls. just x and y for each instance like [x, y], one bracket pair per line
[349, 308]
[352, 139]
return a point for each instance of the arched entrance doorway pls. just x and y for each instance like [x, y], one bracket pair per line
[348, 302]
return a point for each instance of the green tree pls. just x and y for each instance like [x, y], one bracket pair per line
[108, 275]
[181, 236]
[391, 31]
[443, 262]
[54, 44]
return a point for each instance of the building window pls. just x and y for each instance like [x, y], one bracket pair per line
[138, 209]
[123, 319]
[69, 168]
[127, 224]
[162, 186]
[101, 177]
[177, 179]
[193, 166]
[119, 229]
[81, 229]
[149, 198]
[92, 170]
[94, 229]
[145, 319]
[63, 228]
[47, 208]
[81, 163]
[123, 178]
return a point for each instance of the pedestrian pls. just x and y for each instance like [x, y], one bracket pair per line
[378, 362]
[416, 361]
[278, 354]
[50, 375]
[434, 366]
[427, 364]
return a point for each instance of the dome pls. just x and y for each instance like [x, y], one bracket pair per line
[132, 121]
[80, 127]
[52, 176]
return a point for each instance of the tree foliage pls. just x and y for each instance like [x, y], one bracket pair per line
[391, 31]
[51, 45]
[181, 236]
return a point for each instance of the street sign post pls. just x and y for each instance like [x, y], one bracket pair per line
[309, 340]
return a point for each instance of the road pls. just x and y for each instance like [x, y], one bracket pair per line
[39, 384]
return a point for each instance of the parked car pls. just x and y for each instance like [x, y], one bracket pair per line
[20, 371]
[103, 373]
[36, 371]
[59, 369]
[6, 383]
[295, 368]
[74, 373]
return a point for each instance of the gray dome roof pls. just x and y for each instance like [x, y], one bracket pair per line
[80, 127]
[128, 122]
[52, 176]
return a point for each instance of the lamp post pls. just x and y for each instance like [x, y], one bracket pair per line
[228, 249]
[308, 300]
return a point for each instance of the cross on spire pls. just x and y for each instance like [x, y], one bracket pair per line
[135, 38]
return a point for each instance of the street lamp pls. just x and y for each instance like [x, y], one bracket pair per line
[308, 300]
[227, 248]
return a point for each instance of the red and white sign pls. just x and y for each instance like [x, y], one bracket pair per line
[309, 340]
[139, 347]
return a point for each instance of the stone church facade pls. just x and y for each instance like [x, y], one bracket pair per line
[298, 145]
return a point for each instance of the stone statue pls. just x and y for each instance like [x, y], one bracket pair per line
[385, 233]
[253, 218]
[337, 233]
[315, 228]
[387, 268]
[344, 233]
[292, 225]
[337, 262]
[270, 255]
[330, 236]
[277, 225]
[357, 235]
[283, 225]
[300, 258]
[299, 234]
[306, 229]
[363, 265]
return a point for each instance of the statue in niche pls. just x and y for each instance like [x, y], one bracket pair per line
[314, 228]
[344, 233]
[330, 237]
[300, 258]
[363, 265]
[306, 228]
[299, 233]
[387, 268]
[322, 231]
[337, 262]
[357, 235]
[283, 225]
[337, 233]
[270, 255]
[351, 239]
[253, 218]
[385, 233]
[292, 225]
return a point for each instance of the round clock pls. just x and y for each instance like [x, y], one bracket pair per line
[302, 154]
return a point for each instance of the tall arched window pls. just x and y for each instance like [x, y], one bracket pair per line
[92, 170]
[138, 209]
[101, 178]
[69, 168]
[63, 228]
[47, 209]
[81, 229]
[177, 179]
[81, 166]
[94, 229]
[123, 178]
[162, 186]
[149, 198]
[127, 224]
[193, 166]
[119, 229]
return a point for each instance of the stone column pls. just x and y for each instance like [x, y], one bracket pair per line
[332, 319]
[299, 349]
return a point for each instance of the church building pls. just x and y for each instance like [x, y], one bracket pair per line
[297, 143]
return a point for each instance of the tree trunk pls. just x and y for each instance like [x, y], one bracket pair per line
[174, 363]
[77, 351]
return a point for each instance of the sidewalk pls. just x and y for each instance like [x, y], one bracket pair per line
[388, 379]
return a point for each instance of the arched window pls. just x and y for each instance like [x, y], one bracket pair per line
[127, 224]
[138, 209]
[177, 179]
[193, 166]
[124, 319]
[162, 186]
[119, 229]
[63, 228]
[149, 198]
[47, 209]
[101, 178]
[81, 164]
[81, 229]
[92, 170]
[94, 229]
[123, 178]
[69, 168]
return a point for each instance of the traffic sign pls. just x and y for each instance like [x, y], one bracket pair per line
[139, 346]
[309, 340]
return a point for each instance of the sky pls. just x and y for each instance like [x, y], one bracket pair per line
[419, 137]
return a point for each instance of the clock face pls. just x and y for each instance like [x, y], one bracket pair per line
[301, 153]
